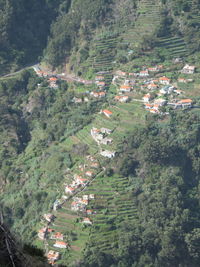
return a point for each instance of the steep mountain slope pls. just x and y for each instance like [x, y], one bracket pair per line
[91, 164]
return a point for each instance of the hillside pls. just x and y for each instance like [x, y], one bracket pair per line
[99, 146]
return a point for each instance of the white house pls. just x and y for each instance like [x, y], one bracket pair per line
[60, 244]
[164, 80]
[108, 154]
[187, 69]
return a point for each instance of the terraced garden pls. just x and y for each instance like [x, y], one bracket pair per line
[175, 45]
[148, 18]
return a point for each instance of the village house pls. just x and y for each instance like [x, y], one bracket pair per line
[89, 212]
[120, 73]
[185, 103]
[107, 154]
[42, 233]
[152, 86]
[52, 256]
[81, 181]
[94, 165]
[57, 235]
[122, 99]
[125, 89]
[182, 80]
[100, 84]
[153, 69]
[164, 80]
[187, 69]
[99, 78]
[87, 221]
[160, 102]
[91, 196]
[77, 100]
[154, 110]
[107, 113]
[49, 217]
[98, 94]
[178, 92]
[52, 82]
[144, 73]
[148, 106]
[106, 141]
[60, 244]
[106, 131]
[89, 174]
[147, 98]
[85, 197]
[168, 89]
[69, 190]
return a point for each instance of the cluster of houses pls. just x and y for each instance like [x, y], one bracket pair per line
[159, 91]
[100, 135]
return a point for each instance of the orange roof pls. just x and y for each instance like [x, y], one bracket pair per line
[53, 79]
[184, 101]
[164, 79]
[117, 97]
[58, 235]
[125, 87]
[70, 188]
[107, 111]
[148, 105]
[102, 93]
[62, 243]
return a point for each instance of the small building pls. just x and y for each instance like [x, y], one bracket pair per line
[152, 86]
[42, 233]
[168, 89]
[107, 113]
[89, 212]
[87, 221]
[77, 100]
[49, 217]
[94, 165]
[106, 131]
[153, 69]
[60, 244]
[160, 102]
[57, 235]
[120, 73]
[81, 181]
[147, 98]
[106, 141]
[91, 196]
[182, 80]
[125, 89]
[185, 102]
[122, 99]
[89, 174]
[144, 73]
[108, 154]
[148, 106]
[99, 78]
[69, 190]
[187, 69]
[101, 84]
[53, 256]
[164, 80]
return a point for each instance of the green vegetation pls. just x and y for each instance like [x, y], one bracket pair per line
[145, 208]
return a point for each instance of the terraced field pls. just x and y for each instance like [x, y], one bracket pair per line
[175, 45]
[148, 19]
[112, 206]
